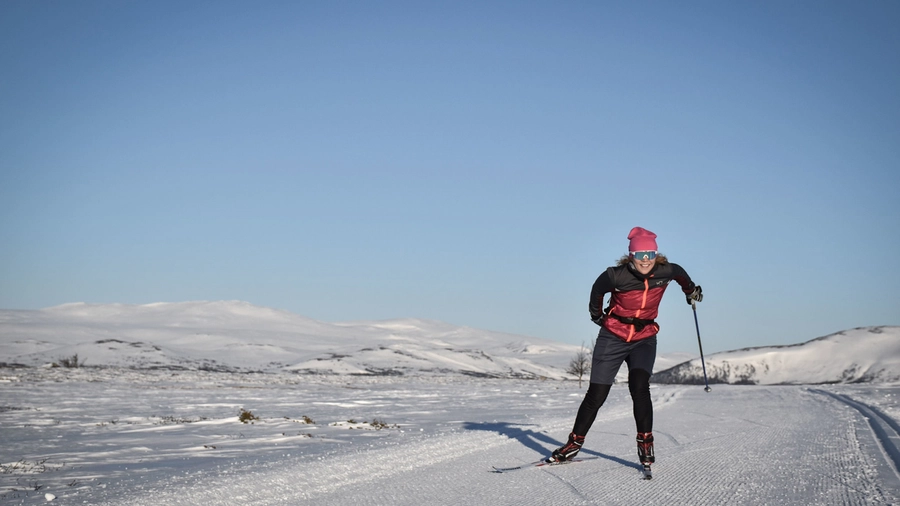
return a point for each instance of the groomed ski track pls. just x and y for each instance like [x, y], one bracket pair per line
[735, 445]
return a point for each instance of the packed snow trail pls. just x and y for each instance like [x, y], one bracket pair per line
[735, 445]
[886, 431]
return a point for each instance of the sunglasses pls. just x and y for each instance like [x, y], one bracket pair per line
[643, 255]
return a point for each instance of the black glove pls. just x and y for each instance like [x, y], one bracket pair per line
[697, 295]
[598, 319]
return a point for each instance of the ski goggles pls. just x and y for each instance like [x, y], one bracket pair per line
[643, 255]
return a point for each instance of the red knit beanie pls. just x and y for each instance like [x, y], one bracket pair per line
[641, 240]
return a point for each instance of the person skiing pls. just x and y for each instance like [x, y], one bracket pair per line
[627, 334]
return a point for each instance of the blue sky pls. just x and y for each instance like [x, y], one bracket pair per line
[478, 163]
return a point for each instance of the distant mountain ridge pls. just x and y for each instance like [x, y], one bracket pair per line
[861, 355]
[235, 335]
[239, 336]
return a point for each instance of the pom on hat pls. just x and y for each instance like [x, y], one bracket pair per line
[641, 240]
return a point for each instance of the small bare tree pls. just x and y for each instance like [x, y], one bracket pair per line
[580, 364]
[70, 362]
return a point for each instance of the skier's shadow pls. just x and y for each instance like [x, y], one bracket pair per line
[538, 441]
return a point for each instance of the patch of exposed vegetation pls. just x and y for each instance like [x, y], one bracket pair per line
[175, 420]
[29, 467]
[375, 424]
[246, 416]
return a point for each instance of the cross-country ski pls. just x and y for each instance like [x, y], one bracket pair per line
[541, 463]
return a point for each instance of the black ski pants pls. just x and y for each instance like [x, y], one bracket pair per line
[638, 385]
[609, 354]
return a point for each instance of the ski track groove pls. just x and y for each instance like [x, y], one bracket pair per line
[578, 494]
[735, 460]
[885, 431]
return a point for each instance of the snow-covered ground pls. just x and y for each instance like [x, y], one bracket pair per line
[229, 403]
[119, 436]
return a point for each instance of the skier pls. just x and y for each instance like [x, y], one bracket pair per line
[627, 334]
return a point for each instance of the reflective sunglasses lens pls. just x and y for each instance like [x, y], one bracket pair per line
[644, 255]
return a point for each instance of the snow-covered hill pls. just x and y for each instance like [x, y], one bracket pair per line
[238, 336]
[868, 354]
[232, 335]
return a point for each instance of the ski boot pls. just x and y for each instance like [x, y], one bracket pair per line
[645, 452]
[568, 451]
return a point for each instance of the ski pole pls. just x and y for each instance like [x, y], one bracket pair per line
[699, 343]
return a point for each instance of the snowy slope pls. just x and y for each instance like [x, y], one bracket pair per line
[869, 354]
[232, 335]
[238, 336]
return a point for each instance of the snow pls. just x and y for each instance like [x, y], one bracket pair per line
[233, 335]
[159, 422]
[869, 354]
[119, 436]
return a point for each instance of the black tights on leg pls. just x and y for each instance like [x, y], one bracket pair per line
[594, 398]
[639, 386]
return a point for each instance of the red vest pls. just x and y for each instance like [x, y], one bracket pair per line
[636, 296]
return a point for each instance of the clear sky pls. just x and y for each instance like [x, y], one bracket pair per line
[479, 163]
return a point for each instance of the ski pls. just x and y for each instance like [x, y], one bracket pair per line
[539, 463]
[646, 472]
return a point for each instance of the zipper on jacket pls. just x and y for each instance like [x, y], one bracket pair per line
[638, 314]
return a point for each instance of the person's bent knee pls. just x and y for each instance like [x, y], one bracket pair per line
[596, 394]
[638, 381]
